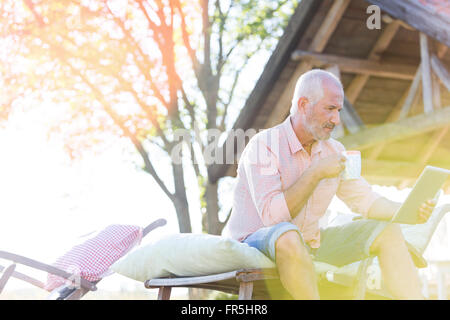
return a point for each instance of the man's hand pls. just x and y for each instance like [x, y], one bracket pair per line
[425, 210]
[329, 167]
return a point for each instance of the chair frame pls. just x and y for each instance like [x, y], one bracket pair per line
[64, 292]
[252, 283]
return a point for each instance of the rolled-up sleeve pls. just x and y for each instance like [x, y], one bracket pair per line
[357, 195]
[264, 183]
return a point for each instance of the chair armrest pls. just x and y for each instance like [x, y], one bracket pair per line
[24, 277]
[45, 267]
[156, 224]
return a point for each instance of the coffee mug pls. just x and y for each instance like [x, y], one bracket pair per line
[352, 165]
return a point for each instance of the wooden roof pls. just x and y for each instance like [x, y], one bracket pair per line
[396, 81]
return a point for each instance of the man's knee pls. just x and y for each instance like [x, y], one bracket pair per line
[289, 245]
[391, 236]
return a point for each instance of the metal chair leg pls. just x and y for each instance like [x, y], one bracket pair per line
[7, 273]
[361, 279]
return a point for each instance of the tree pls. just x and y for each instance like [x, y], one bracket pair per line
[145, 70]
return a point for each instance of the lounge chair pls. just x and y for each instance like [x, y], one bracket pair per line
[68, 290]
[358, 280]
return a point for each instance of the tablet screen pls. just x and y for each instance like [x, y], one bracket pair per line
[427, 187]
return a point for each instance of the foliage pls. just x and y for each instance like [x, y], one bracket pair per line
[139, 70]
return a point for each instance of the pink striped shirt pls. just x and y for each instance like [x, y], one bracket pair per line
[273, 160]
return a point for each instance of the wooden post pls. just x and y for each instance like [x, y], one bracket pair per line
[329, 25]
[441, 71]
[427, 90]
[245, 290]
[412, 91]
[411, 95]
[436, 91]
[164, 293]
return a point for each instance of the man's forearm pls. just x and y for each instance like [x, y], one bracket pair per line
[383, 209]
[297, 195]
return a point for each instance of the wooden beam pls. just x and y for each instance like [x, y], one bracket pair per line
[395, 170]
[436, 92]
[412, 93]
[441, 71]
[358, 66]
[328, 25]
[350, 117]
[419, 15]
[354, 88]
[432, 144]
[399, 130]
[394, 116]
[431, 99]
[427, 152]
[408, 100]
[427, 86]
[317, 45]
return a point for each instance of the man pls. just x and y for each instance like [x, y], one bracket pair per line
[287, 177]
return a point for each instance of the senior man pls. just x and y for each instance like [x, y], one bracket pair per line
[287, 177]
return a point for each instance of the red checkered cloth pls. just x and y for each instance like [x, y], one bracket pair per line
[91, 260]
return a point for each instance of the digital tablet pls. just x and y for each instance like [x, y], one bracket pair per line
[426, 187]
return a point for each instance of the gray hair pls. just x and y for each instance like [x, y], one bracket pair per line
[310, 85]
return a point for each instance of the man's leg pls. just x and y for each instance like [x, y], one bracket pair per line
[397, 267]
[295, 266]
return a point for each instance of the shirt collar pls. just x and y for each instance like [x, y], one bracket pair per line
[294, 143]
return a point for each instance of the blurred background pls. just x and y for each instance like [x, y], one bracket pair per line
[91, 95]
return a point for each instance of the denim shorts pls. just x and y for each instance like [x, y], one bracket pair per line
[264, 239]
[339, 245]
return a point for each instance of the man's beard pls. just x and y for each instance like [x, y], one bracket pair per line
[319, 132]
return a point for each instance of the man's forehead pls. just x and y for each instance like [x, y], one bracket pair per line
[332, 86]
[334, 94]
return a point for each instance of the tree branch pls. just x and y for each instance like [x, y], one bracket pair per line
[37, 16]
[206, 25]
[233, 87]
[192, 54]
[146, 109]
[194, 126]
[148, 166]
[220, 38]
[130, 39]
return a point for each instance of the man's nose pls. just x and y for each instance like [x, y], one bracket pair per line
[336, 120]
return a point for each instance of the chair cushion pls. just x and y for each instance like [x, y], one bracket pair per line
[92, 258]
[188, 254]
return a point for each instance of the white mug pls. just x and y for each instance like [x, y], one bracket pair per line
[352, 165]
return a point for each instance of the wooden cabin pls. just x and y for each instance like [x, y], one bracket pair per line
[396, 79]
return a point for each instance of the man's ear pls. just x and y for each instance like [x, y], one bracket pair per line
[301, 104]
